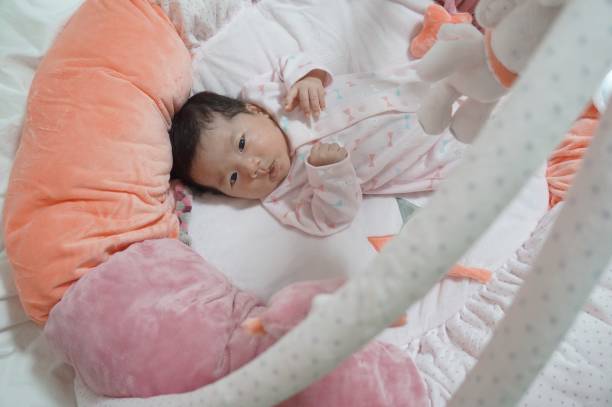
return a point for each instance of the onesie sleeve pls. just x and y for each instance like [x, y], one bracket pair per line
[286, 72]
[325, 205]
[292, 68]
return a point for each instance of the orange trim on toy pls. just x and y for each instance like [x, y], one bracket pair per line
[435, 16]
[505, 76]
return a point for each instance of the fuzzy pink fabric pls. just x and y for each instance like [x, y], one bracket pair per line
[158, 319]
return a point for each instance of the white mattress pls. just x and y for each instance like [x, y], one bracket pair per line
[30, 375]
[355, 36]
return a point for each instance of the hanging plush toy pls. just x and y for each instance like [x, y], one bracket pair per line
[464, 62]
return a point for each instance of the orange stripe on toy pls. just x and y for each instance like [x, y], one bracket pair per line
[473, 273]
[505, 76]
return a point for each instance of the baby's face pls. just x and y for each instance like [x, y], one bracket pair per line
[244, 157]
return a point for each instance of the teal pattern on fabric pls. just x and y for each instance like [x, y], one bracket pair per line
[406, 209]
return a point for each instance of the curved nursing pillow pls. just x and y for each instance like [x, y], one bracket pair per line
[92, 170]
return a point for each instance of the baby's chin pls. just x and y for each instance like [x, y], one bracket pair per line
[261, 194]
[273, 187]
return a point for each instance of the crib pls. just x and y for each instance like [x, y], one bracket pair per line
[538, 334]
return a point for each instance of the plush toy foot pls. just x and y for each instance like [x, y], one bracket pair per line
[434, 114]
[469, 119]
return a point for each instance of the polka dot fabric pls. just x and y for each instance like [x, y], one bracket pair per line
[447, 353]
[578, 374]
[569, 265]
[536, 116]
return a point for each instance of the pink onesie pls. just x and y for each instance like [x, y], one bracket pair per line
[372, 116]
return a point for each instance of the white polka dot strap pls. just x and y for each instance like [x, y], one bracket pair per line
[551, 93]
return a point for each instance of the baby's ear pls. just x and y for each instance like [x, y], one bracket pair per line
[252, 108]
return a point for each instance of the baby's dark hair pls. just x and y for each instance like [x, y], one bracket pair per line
[195, 117]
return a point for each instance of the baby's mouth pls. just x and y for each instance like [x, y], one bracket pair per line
[273, 170]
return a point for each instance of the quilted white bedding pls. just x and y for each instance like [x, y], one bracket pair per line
[259, 254]
[577, 374]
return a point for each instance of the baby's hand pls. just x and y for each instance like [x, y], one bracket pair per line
[309, 93]
[324, 154]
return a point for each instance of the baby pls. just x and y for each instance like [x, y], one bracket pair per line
[353, 135]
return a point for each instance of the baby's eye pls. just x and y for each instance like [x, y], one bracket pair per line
[233, 178]
[241, 143]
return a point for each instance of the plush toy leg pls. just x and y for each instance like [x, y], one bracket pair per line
[469, 118]
[456, 49]
[434, 114]
[490, 12]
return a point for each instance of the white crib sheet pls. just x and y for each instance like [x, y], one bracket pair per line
[30, 375]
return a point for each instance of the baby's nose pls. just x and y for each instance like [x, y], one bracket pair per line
[253, 167]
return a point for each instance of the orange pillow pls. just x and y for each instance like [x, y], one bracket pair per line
[92, 170]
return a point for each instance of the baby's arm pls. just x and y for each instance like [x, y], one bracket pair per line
[329, 201]
[306, 82]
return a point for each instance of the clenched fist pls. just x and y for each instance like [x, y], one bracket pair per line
[326, 153]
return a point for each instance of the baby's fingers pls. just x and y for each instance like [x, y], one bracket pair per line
[321, 93]
[314, 102]
[290, 101]
[305, 101]
[315, 149]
